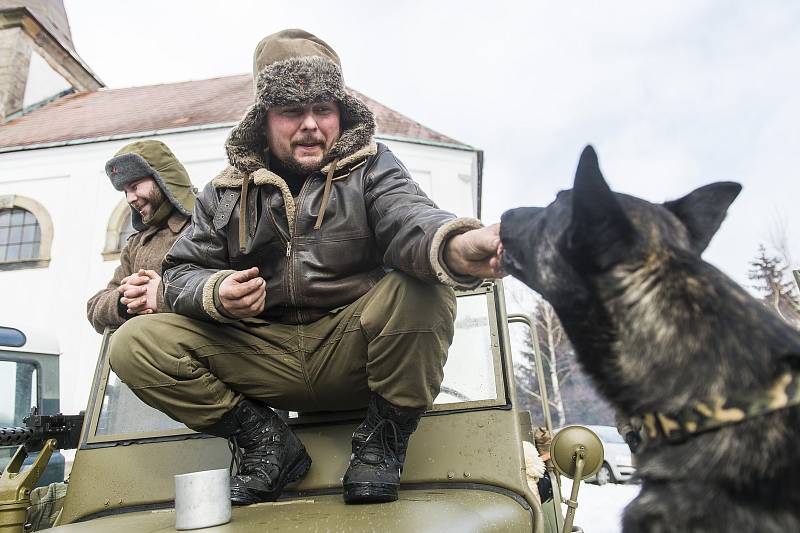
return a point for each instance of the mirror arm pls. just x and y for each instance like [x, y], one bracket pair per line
[572, 502]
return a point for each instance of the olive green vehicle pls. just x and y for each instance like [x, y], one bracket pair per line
[464, 471]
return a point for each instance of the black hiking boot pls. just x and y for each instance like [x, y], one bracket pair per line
[266, 453]
[379, 451]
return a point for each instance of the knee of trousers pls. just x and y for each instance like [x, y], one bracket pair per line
[403, 303]
[128, 347]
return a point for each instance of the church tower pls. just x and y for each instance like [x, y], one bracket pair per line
[38, 60]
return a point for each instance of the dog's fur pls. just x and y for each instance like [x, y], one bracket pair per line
[657, 328]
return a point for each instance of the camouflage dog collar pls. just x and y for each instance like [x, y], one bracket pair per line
[719, 411]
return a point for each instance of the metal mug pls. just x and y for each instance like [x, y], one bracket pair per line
[202, 499]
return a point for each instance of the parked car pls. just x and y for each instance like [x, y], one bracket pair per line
[618, 464]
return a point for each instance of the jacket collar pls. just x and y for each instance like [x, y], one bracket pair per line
[176, 222]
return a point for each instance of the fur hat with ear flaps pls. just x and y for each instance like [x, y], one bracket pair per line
[152, 159]
[296, 67]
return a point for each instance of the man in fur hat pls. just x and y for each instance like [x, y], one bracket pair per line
[161, 197]
[316, 275]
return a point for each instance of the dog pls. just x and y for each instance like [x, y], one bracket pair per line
[667, 337]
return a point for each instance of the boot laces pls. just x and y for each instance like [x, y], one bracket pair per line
[383, 441]
[236, 456]
[259, 454]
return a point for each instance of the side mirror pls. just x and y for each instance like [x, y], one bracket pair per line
[568, 444]
[577, 453]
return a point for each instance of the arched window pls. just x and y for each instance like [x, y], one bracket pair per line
[26, 233]
[118, 230]
[20, 235]
[126, 231]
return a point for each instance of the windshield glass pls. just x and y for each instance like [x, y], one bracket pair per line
[123, 413]
[470, 376]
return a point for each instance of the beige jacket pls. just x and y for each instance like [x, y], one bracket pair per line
[144, 250]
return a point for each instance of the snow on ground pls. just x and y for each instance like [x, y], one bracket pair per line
[600, 507]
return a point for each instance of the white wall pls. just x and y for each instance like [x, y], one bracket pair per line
[71, 184]
[447, 176]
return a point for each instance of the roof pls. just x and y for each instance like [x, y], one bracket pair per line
[94, 115]
[392, 123]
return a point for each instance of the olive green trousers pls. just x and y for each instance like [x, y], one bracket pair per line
[393, 341]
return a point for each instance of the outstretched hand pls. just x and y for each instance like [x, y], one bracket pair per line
[243, 293]
[476, 253]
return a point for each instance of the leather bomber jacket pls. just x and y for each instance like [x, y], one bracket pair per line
[377, 219]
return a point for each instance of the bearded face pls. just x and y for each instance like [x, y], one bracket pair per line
[301, 135]
[145, 196]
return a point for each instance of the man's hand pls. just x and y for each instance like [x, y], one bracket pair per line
[243, 293]
[475, 253]
[140, 292]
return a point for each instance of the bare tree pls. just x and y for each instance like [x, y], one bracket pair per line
[555, 349]
[779, 238]
[553, 336]
[571, 395]
[521, 299]
[768, 272]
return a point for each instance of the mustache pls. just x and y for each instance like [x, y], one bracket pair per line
[309, 139]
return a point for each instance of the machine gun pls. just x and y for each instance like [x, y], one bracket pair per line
[38, 429]
[42, 433]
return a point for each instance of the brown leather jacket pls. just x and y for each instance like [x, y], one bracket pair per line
[376, 219]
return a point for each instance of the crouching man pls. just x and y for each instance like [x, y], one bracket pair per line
[315, 276]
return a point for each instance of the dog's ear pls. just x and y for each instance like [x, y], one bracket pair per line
[599, 226]
[703, 210]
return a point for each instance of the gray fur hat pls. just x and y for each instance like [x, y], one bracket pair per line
[151, 158]
[296, 67]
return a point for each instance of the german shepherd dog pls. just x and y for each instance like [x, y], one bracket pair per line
[668, 337]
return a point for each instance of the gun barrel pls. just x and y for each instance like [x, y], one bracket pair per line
[14, 436]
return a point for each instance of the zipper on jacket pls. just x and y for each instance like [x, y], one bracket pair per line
[289, 266]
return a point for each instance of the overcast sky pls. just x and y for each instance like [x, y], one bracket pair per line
[673, 95]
